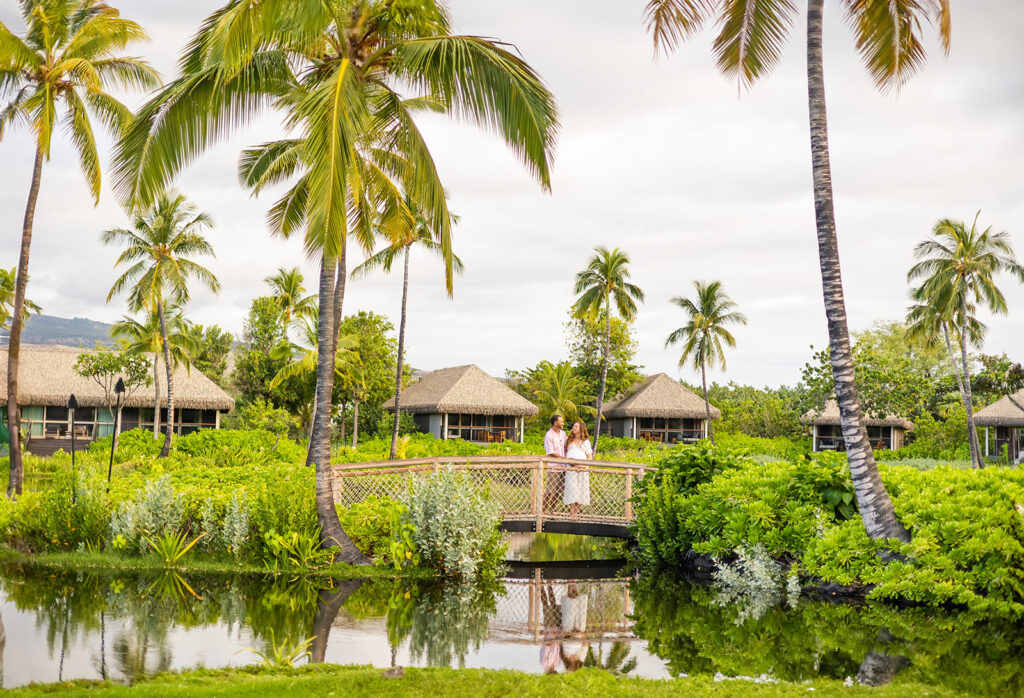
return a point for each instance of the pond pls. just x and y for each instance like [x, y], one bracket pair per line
[540, 617]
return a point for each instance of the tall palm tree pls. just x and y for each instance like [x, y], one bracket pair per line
[147, 337]
[336, 70]
[957, 267]
[7, 284]
[61, 68]
[557, 389]
[749, 44]
[159, 249]
[707, 316]
[404, 225]
[601, 285]
[290, 293]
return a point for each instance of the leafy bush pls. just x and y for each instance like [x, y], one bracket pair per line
[754, 582]
[456, 530]
[131, 445]
[159, 509]
[68, 514]
[373, 525]
[781, 447]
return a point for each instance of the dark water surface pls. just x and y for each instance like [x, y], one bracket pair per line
[91, 625]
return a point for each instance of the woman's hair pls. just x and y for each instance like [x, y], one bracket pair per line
[584, 434]
[571, 662]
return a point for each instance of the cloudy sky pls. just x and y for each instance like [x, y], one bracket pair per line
[665, 159]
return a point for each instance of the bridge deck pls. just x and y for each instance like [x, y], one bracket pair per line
[527, 490]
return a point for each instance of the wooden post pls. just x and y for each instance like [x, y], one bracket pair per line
[538, 494]
[629, 495]
[538, 615]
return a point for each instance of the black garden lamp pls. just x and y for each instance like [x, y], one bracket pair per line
[72, 406]
[119, 389]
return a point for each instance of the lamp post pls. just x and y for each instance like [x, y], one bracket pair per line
[72, 406]
[119, 390]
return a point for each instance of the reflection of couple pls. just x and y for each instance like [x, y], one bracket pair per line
[565, 627]
[574, 485]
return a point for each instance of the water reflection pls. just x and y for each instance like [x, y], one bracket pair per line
[542, 618]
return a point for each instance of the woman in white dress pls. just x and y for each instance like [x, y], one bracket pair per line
[577, 482]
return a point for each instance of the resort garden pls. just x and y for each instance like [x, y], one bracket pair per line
[239, 515]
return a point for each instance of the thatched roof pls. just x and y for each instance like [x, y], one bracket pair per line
[46, 376]
[1006, 412]
[830, 417]
[659, 396]
[462, 390]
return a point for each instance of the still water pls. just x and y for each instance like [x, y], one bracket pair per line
[541, 617]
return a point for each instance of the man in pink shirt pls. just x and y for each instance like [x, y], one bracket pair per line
[554, 446]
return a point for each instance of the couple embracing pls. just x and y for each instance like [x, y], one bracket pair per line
[572, 486]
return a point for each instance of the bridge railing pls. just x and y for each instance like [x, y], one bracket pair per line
[523, 488]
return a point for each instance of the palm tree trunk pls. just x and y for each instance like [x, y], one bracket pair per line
[707, 405]
[604, 365]
[17, 471]
[401, 356]
[872, 498]
[166, 450]
[355, 423]
[331, 533]
[972, 431]
[956, 367]
[156, 395]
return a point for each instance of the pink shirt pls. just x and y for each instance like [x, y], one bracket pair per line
[554, 443]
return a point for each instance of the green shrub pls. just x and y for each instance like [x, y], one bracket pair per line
[159, 509]
[66, 515]
[456, 530]
[133, 444]
[371, 524]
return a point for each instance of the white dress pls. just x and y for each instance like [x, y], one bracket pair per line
[577, 484]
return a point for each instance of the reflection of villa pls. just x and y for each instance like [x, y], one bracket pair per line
[465, 403]
[47, 378]
[1004, 426]
[658, 409]
[886, 433]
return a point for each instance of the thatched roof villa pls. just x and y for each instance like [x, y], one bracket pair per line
[658, 408]
[47, 378]
[463, 402]
[1004, 420]
[885, 433]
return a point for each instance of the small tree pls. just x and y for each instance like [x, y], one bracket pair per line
[105, 367]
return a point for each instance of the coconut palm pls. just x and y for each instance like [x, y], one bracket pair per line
[290, 293]
[335, 69]
[957, 267]
[749, 44]
[7, 285]
[558, 390]
[707, 316]
[159, 249]
[61, 68]
[147, 337]
[404, 225]
[603, 287]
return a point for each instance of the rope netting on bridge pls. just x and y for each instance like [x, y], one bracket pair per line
[521, 488]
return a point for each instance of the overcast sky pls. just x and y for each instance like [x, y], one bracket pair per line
[665, 159]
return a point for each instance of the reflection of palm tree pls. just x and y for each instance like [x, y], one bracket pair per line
[329, 602]
[879, 667]
[616, 661]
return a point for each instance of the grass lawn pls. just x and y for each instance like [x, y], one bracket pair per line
[333, 680]
[196, 565]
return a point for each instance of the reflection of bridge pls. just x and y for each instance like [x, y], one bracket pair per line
[526, 489]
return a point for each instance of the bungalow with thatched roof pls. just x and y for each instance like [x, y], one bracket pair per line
[1007, 417]
[658, 408]
[827, 434]
[47, 378]
[463, 402]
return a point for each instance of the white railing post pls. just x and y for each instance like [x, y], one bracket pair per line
[629, 496]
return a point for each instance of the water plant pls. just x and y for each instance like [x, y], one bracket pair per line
[171, 547]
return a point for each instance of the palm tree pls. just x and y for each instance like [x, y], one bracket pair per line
[558, 390]
[748, 46]
[159, 249]
[404, 225]
[957, 267]
[146, 337]
[291, 295]
[335, 70]
[602, 283]
[702, 336]
[7, 285]
[67, 60]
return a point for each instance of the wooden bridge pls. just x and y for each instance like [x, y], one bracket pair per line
[525, 489]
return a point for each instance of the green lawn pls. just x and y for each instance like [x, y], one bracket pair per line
[333, 680]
